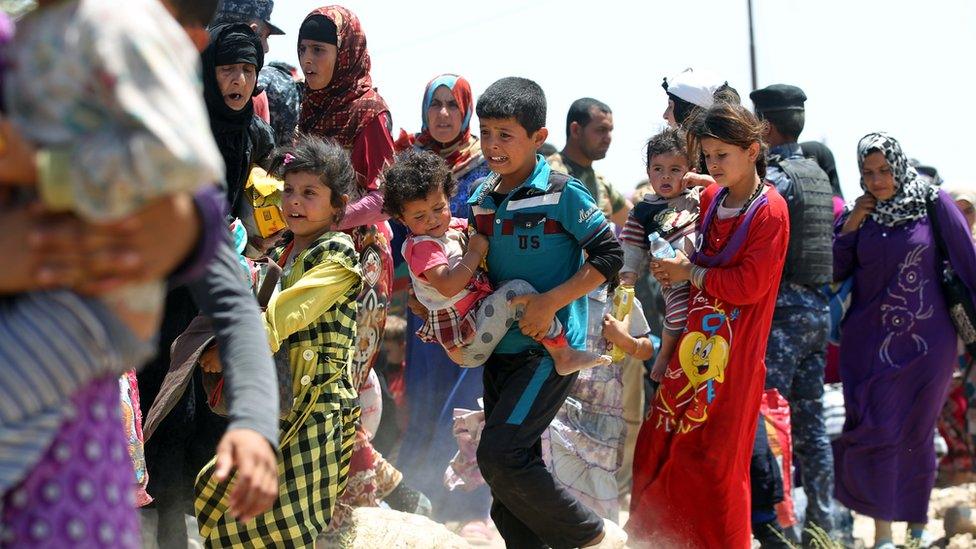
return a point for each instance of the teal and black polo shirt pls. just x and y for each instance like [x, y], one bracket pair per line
[537, 234]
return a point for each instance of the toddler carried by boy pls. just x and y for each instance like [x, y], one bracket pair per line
[465, 315]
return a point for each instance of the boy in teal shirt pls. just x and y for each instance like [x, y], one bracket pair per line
[538, 224]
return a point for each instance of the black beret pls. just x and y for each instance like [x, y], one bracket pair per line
[778, 97]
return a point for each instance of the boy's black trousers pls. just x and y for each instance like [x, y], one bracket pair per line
[523, 392]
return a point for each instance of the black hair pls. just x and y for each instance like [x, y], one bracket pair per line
[281, 65]
[671, 140]
[789, 123]
[322, 157]
[548, 149]
[733, 124]
[683, 110]
[579, 112]
[727, 94]
[928, 172]
[824, 158]
[514, 97]
[194, 12]
[413, 176]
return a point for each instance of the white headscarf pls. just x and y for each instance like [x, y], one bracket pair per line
[961, 191]
[695, 87]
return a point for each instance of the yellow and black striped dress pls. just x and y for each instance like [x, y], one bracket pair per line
[315, 312]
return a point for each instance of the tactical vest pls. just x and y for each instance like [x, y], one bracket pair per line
[809, 198]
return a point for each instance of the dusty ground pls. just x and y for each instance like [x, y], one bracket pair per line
[942, 499]
[392, 530]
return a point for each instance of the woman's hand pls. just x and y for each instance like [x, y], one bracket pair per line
[863, 207]
[145, 256]
[210, 361]
[262, 245]
[415, 306]
[42, 251]
[18, 158]
[672, 271]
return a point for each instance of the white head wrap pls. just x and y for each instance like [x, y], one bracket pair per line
[695, 87]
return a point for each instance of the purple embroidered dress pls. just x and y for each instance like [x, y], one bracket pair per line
[897, 353]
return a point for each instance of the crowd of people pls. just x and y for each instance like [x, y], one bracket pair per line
[235, 295]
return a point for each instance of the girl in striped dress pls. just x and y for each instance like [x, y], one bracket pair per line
[314, 314]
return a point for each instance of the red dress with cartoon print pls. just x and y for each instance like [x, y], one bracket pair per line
[691, 464]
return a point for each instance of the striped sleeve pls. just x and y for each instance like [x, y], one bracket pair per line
[633, 233]
[676, 308]
[634, 243]
[52, 344]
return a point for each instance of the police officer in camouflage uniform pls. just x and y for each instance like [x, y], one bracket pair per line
[277, 81]
[795, 356]
[589, 128]
[256, 13]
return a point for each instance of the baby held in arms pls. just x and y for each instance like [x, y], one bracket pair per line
[465, 314]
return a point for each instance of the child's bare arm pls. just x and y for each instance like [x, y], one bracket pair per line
[449, 282]
[615, 331]
[692, 179]
[668, 344]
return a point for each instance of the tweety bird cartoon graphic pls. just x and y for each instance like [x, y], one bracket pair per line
[702, 358]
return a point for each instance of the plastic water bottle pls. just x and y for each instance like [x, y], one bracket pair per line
[660, 248]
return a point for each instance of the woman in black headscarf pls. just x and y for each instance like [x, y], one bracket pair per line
[231, 64]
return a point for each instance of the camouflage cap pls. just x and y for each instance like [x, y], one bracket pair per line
[245, 11]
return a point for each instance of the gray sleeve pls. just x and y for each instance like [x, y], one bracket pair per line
[638, 322]
[635, 258]
[223, 295]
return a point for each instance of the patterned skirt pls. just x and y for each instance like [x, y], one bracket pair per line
[312, 470]
[80, 493]
[375, 256]
[451, 328]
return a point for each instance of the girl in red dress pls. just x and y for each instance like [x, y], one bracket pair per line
[691, 466]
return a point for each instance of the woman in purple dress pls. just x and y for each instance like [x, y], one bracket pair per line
[898, 345]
